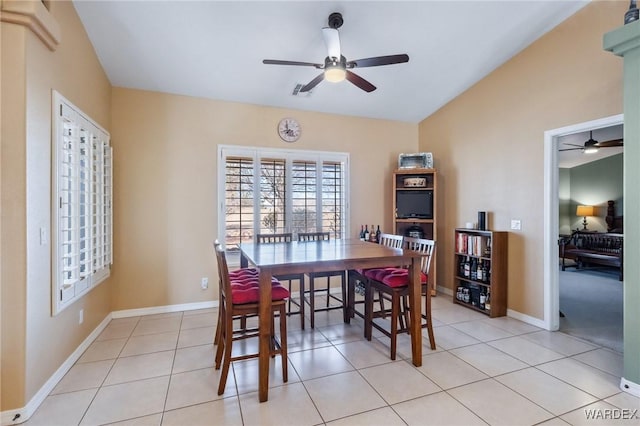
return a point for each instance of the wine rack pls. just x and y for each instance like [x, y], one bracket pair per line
[480, 263]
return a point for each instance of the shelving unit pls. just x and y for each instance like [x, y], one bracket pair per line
[402, 225]
[488, 248]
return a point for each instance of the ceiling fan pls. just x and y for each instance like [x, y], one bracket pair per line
[336, 67]
[591, 146]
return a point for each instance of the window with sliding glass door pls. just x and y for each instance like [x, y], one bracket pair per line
[264, 191]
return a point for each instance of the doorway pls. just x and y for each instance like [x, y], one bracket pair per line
[551, 212]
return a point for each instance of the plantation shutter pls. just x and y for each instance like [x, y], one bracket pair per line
[82, 204]
[275, 191]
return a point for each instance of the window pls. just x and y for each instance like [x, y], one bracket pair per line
[275, 191]
[82, 211]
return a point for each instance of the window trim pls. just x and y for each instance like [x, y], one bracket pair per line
[257, 154]
[92, 215]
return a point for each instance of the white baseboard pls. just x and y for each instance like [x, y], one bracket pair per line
[8, 417]
[527, 319]
[126, 313]
[630, 387]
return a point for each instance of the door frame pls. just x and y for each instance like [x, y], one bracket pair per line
[551, 212]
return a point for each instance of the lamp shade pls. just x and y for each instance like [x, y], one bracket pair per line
[585, 211]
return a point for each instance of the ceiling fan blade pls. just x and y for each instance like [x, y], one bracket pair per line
[360, 82]
[313, 83]
[573, 144]
[571, 149]
[610, 144]
[332, 41]
[378, 60]
[279, 62]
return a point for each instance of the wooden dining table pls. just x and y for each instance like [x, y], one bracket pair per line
[323, 256]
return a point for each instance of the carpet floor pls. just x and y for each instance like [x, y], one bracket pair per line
[592, 300]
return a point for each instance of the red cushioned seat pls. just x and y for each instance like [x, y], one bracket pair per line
[251, 294]
[378, 273]
[400, 278]
[244, 272]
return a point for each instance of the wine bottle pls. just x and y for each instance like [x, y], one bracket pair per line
[474, 269]
[461, 267]
[361, 232]
[467, 268]
[487, 300]
[479, 271]
[483, 299]
[366, 233]
[378, 234]
[372, 235]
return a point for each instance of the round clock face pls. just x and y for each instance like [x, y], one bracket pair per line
[289, 129]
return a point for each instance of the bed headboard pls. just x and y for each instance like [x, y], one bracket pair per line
[614, 223]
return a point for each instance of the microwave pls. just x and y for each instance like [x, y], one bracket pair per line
[420, 160]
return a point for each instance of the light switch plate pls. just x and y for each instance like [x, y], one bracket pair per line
[515, 224]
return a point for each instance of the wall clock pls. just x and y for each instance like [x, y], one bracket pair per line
[289, 129]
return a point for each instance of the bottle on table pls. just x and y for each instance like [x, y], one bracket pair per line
[378, 234]
[361, 232]
[372, 235]
[366, 233]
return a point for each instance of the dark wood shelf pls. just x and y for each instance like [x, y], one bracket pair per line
[496, 241]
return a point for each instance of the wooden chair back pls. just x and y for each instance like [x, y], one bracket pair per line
[424, 247]
[223, 274]
[314, 236]
[390, 240]
[274, 238]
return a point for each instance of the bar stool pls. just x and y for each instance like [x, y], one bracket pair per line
[394, 284]
[241, 298]
[313, 276]
[287, 238]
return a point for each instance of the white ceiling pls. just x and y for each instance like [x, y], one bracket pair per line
[214, 49]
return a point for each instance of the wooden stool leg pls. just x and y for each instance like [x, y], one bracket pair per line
[312, 301]
[395, 308]
[427, 312]
[283, 345]
[228, 342]
[368, 311]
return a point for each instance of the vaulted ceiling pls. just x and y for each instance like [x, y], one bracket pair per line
[214, 49]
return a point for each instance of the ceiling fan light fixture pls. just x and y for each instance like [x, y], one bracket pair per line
[335, 74]
[591, 150]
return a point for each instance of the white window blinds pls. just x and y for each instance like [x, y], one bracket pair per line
[82, 210]
[274, 191]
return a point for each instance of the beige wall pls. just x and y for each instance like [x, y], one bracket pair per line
[488, 142]
[37, 344]
[165, 180]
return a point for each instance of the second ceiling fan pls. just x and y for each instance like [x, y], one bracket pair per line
[336, 67]
[591, 146]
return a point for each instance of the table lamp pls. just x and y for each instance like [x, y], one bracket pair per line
[584, 211]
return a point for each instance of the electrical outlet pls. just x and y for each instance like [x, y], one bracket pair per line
[515, 224]
[81, 316]
[204, 283]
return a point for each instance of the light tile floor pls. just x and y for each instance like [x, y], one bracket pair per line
[158, 370]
